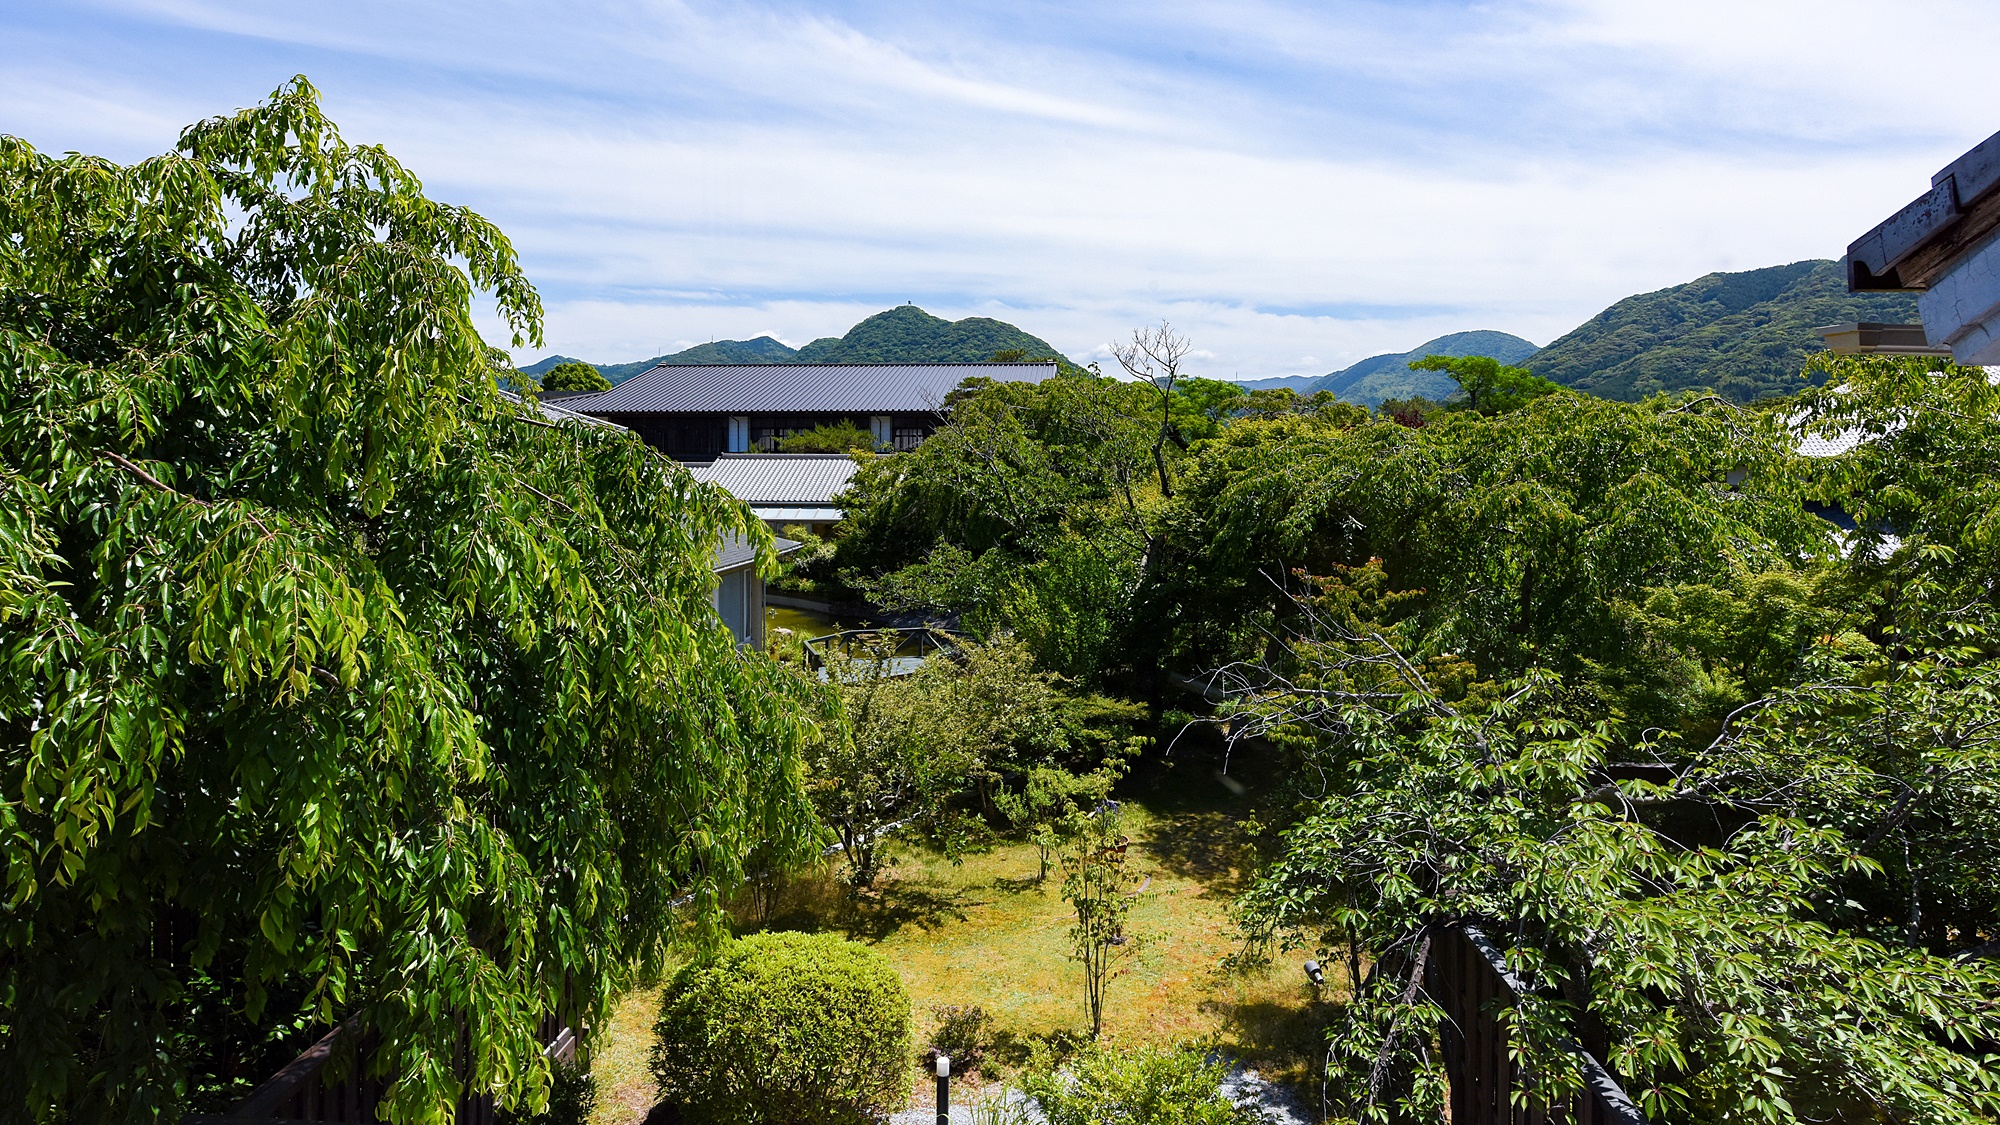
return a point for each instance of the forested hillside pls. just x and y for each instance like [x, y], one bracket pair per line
[1744, 335]
[1389, 376]
[905, 334]
[908, 334]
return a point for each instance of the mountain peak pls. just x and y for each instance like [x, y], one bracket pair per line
[1389, 376]
[904, 334]
[1744, 335]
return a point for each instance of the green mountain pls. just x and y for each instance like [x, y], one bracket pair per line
[1389, 376]
[1743, 335]
[761, 350]
[1300, 383]
[905, 334]
[541, 366]
[908, 334]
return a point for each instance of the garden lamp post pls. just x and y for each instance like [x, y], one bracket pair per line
[944, 1090]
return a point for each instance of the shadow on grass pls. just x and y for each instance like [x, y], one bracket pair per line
[1201, 800]
[897, 903]
[1285, 1041]
[1206, 847]
[1009, 885]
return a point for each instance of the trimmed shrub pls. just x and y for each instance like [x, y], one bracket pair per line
[781, 1028]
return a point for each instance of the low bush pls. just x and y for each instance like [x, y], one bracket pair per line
[1146, 1086]
[781, 1028]
[961, 1034]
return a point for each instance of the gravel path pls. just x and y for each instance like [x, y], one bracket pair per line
[1279, 1104]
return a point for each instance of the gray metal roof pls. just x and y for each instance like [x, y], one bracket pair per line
[801, 388]
[556, 413]
[735, 552]
[784, 480]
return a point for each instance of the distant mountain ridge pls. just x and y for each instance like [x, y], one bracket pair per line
[1386, 376]
[1380, 377]
[1743, 335]
[904, 334]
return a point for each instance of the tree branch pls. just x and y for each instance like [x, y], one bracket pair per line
[149, 479]
[1379, 1072]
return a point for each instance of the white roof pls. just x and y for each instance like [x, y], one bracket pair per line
[782, 480]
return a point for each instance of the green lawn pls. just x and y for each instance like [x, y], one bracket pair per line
[982, 932]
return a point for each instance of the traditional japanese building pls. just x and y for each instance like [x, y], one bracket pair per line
[696, 412]
[784, 489]
[1946, 246]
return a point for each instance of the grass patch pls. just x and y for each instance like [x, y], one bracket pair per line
[983, 932]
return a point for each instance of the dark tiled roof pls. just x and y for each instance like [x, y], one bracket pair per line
[1957, 212]
[735, 551]
[795, 388]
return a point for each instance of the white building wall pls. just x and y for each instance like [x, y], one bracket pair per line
[1962, 308]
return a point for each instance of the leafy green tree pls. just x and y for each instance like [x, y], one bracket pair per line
[574, 376]
[1201, 407]
[1052, 807]
[780, 1028]
[1271, 402]
[924, 740]
[1695, 933]
[1529, 533]
[1033, 509]
[1489, 386]
[1098, 885]
[334, 683]
[843, 436]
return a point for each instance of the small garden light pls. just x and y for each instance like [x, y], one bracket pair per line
[944, 1090]
[1314, 974]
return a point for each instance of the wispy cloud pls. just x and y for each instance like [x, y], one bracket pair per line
[1295, 184]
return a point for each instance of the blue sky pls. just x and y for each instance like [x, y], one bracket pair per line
[1295, 186]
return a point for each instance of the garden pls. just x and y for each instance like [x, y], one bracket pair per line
[983, 948]
[349, 697]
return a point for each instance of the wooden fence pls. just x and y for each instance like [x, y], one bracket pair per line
[1467, 975]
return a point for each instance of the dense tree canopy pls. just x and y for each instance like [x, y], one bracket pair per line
[1733, 824]
[1592, 675]
[574, 376]
[333, 682]
[1489, 386]
[1537, 536]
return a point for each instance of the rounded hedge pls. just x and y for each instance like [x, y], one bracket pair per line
[783, 1028]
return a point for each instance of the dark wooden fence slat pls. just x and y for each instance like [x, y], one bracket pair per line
[1470, 981]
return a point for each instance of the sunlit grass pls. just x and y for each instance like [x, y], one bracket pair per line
[983, 932]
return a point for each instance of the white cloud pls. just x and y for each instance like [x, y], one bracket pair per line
[1296, 186]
